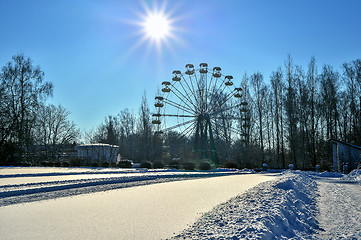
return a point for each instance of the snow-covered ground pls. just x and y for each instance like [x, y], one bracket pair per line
[154, 211]
[292, 205]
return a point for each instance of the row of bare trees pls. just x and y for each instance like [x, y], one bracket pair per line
[297, 111]
[133, 133]
[27, 123]
[290, 117]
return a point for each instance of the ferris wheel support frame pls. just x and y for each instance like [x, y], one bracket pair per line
[204, 129]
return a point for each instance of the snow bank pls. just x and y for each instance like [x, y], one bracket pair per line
[354, 175]
[330, 174]
[280, 209]
[245, 170]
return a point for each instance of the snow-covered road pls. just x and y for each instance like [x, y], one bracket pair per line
[147, 212]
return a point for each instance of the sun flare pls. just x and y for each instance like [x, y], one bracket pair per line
[157, 26]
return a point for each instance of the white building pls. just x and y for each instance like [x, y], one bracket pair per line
[344, 153]
[98, 152]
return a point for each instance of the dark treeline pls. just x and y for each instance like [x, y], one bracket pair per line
[291, 115]
[30, 129]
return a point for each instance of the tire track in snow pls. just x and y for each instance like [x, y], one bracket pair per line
[21, 193]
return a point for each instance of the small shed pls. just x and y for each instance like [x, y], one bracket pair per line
[344, 153]
[98, 152]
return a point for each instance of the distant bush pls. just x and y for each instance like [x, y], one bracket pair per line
[94, 164]
[205, 166]
[65, 164]
[25, 164]
[44, 163]
[158, 164]
[105, 164]
[76, 162]
[231, 165]
[146, 165]
[173, 164]
[57, 164]
[125, 164]
[188, 165]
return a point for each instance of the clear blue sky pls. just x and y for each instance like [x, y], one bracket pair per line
[90, 49]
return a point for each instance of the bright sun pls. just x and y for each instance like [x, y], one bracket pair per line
[157, 26]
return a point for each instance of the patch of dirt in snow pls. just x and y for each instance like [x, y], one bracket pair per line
[340, 207]
[280, 209]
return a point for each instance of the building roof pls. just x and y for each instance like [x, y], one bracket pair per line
[344, 143]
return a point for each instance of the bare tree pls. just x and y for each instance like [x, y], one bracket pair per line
[259, 99]
[107, 132]
[277, 88]
[329, 98]
[23, 91]
[313, 83]
[144, 130]
[53, 129]
[127, 133]
[291, 109]
[352, 77]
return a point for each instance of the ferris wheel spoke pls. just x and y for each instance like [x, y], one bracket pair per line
[219, 106]
[215, 85]
[176, 115]
[184, 134]
[226, 109]
[202, 84]
[233, 129]
[210, 83]
[199, 90]
[220, 132]
[188, 97]
[179, 106]
[182, 99]
[190, 89]
[180, 125]
[189, 129]
[206, 90]
[194, 92]
[217, 94]
[229, 117]
[227, 135]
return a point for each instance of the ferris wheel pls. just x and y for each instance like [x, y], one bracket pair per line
[202, 105]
